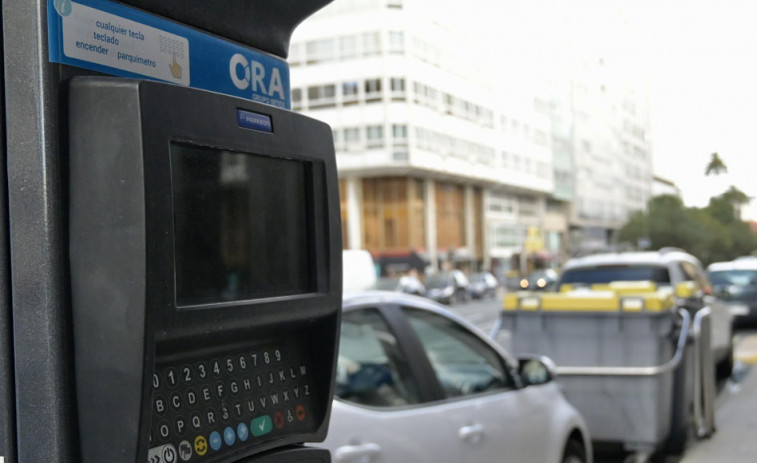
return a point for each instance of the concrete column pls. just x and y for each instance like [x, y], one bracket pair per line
[429, 196]
[470, 217]
[487, 257]
[354, 214]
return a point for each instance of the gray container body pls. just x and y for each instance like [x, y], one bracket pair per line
[634, 410]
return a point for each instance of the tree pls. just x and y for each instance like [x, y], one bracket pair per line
[716, 166]
[726, 208]
[714, 233]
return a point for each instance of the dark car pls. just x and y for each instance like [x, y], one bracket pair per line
[483, 285]
[447, 287]
[405, 284]
[540, 280]
[736, 283]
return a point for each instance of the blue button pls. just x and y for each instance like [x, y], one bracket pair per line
[228, 436]
[242, 432]
[215, 440]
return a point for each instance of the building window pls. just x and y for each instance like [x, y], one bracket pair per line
[348, 47]
[396, 42]
[337, 138]
[320, 51]
[399, 134]
[352, 138]
[501, 204]
[398, 88]
[540, 138]
[528, 207]
[350, 92]
[374, 135]
[321, 96]
[373, 90]
[504, 236]
[295, 55]
[516, 162]
[296, 98]
[371, 44]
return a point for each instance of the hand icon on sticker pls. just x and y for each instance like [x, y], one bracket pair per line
[63, 7]
[175, 68]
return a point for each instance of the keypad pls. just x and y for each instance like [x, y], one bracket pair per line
[205, 406]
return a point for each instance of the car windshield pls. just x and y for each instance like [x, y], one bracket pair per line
[437, 281]
[387, 283]
[478, 278]
[734, 277]
[610, 273]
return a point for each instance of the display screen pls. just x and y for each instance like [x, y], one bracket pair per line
[242, 225]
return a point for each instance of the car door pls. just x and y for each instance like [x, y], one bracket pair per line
[494, 419]
[721, 318]
[381, 413]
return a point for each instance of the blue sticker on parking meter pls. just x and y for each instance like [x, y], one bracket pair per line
[111, 38]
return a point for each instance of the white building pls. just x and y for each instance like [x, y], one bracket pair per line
[434, 164]
[612, 153]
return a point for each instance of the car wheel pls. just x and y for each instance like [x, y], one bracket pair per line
[724, 368]
[574, 453]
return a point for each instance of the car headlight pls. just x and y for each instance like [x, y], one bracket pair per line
[524, 283]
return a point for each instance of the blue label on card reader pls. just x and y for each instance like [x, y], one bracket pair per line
[254, 121]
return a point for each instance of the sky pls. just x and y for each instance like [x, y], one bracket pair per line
[698, 56]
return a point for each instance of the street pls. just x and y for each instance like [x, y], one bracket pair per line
[736, 403]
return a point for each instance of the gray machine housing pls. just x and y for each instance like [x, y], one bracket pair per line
[125, 317]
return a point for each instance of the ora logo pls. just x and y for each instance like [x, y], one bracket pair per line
[252, 74]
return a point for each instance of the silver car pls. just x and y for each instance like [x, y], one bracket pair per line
[416, 383]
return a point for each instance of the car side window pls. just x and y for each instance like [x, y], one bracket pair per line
[372, 369]
[463, 363]
[693, 273]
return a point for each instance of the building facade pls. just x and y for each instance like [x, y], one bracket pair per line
[436, 168]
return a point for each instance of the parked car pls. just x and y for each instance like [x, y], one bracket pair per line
[405, 284]
[447, 287]
[416, 383]
[668, 267]
[736, 283]
[358, 270]
[540, 280]
[482, 285]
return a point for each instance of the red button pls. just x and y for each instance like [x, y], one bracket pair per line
[300, 413]
[278, 420]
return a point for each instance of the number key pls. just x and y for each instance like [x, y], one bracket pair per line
[215, 367]
[172, 377]
[202, 370]
[186, 374]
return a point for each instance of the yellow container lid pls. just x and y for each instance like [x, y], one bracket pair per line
[589, 301]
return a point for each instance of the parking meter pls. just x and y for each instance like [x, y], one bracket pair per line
[188, 302]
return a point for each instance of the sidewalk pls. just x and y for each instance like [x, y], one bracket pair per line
[736, 416]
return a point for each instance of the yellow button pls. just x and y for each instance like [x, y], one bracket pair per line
[201, 445]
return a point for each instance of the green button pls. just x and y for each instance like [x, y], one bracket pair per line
[261, 425]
